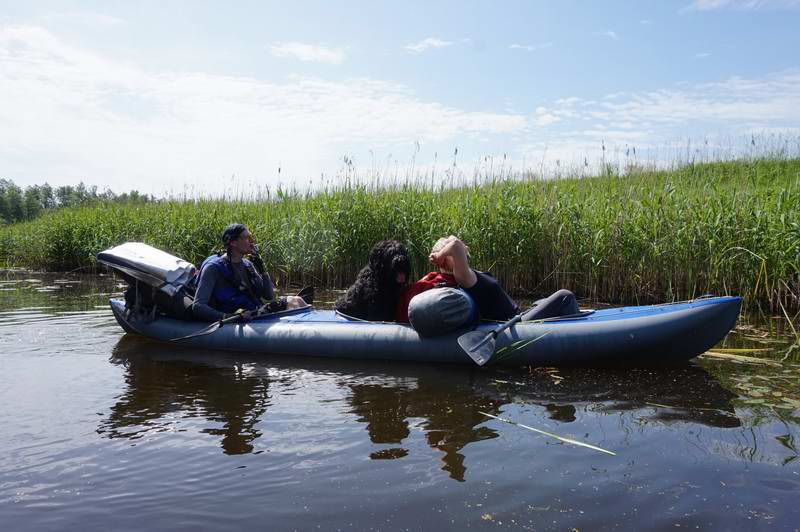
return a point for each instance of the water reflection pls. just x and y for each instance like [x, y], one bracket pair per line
[159, 388]
[443, 398]
[168, 385]
[685, 393]
[368, 443]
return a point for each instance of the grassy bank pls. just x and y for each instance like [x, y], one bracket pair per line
[731, 227]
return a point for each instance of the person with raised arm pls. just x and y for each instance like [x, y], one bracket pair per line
[230, 284]
[451, 256]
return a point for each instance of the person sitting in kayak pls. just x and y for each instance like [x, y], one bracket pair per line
[451, 256]
[229, 283]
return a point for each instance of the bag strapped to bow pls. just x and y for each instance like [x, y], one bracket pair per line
[157, 280]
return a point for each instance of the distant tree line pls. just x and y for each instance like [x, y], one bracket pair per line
[18, 205]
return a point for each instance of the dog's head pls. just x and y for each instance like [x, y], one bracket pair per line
[387, 259]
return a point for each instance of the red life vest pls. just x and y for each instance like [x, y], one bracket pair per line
[431, 280]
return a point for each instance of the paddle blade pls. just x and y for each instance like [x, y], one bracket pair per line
[307, 293]
[478, 345]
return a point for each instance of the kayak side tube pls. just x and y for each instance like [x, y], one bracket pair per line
[665, 336]
[632, 335]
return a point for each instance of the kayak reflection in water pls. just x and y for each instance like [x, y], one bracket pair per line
[451, 256]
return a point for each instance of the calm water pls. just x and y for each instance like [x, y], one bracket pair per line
[106, 431]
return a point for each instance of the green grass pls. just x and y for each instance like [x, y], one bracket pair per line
[727, 227]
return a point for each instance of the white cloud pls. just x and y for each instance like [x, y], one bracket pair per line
[771, 99]
[426, 44]
[661, 123]
[742, 5]
[531, 47]
[568, 101]
[70, 115]
[645, 22]
[702, 55]
[85, 18]
[308, 52]
[733, 101]
[544, 118]
[610, 34]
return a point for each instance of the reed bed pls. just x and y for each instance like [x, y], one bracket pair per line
[645, 236]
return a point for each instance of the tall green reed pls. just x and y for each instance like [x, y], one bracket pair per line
[646, 236]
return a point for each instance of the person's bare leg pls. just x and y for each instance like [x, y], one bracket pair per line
[293, 302]
[560, 303]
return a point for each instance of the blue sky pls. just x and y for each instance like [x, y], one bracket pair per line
[161, 96]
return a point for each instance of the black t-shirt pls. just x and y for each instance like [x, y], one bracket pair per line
[493, 302]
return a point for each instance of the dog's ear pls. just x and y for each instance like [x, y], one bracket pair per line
[376, 257]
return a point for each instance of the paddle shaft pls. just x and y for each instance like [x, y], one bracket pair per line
[210, 329]
[506, 325]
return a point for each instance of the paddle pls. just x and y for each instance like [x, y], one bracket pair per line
[479, 345]
[307, 293]
[212, 328]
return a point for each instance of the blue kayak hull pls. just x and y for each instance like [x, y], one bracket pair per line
[629, 335]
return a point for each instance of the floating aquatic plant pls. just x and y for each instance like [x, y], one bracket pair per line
[550, 434]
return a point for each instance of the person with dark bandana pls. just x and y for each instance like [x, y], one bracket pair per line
[231, 284]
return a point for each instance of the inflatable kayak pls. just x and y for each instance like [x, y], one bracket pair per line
[629, 335]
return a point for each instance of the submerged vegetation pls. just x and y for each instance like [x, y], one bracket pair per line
[645, 236]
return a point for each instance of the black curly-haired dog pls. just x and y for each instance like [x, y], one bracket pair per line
[377, 289]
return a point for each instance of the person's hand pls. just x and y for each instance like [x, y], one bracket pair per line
[454, 258]
[257, 261]
[453, 248]
[243, 315]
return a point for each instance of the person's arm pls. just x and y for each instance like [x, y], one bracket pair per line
[454, 256]
[205, 288]
[259, 279]
[493, 302]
